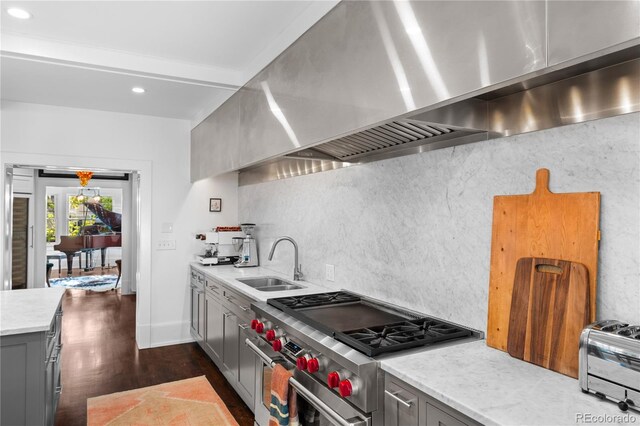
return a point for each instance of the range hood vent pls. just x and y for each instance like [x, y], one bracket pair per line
[381, 141]
[558, 98]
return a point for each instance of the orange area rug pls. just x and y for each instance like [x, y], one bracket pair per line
[185, 402]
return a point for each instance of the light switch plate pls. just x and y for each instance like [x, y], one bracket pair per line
[167, 227]
[166, 245]
[330, 272]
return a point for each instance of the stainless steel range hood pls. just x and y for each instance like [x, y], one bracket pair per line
[373, 79]
[575, 95]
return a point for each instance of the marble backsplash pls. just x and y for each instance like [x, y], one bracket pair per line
[416, 230]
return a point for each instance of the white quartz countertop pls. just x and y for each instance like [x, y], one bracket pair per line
[229, 274]
[494, 388]
[28, 311]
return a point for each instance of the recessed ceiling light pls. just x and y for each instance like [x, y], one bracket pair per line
[18, 13]
[138, 90]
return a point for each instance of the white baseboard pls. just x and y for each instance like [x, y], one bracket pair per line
[170, 333]
[169, 343]
[142, 336]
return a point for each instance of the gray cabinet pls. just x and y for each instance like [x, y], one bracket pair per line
[214, 331]
[438, 417]
[239, 360]
[407, 406]
[30, 384]
[400, 406]
[230, 346]
[197, 307]
[246, 367]
[222, 316]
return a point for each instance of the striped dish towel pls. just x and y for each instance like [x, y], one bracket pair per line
[284, 409]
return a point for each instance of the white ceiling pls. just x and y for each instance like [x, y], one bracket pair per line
[190, 56]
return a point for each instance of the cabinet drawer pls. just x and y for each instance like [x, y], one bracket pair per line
[239, 304]
[214, 288]
[53, 335]
[196, 278]
[400, 405]
[437, 417]
[200, 279]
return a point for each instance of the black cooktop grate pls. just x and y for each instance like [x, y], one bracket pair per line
[402, 335]
[312, 300]
[375, 340]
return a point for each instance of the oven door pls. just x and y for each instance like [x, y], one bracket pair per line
[327, 407]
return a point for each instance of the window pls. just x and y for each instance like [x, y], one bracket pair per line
[80, 216]
[51, 219]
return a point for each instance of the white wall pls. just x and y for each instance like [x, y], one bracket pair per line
[157, 147]
[416, 230]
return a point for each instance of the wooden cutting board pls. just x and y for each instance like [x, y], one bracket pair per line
[545, 225]
[549, 309]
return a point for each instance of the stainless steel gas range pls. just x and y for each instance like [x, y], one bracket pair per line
[334, 341]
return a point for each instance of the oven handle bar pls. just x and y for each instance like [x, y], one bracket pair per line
[266, 358]
[306, 394]
[323, 408]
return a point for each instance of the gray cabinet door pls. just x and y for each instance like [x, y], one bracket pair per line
[194, 312]
[57, 378]
[49, 389]
[197, 314]
[214, 331]
[30, 383]
[230, 347]
[437, 417]
[246, 368]
[201, 316]
[400, 406]
[23, 364]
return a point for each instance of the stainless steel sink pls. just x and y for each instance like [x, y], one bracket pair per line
[280, 287]
[270, 284]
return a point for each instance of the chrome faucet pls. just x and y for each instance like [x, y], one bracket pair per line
[297, 268]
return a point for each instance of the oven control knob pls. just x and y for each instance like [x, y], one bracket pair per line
[270, 335]
[277, 344]
[301, 363]
[273, 334]
[254, 323]
[346, 388]
[259, 328]
[313, 365]
[333, 379]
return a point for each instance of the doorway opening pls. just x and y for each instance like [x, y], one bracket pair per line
[84, 237]
[73, 234]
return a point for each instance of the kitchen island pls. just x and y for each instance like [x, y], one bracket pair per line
[28, 311]
[30, 354]
[494, 388]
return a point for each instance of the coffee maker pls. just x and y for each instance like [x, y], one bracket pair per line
[247, 247]
[219, 247]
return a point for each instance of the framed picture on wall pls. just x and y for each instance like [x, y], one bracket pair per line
[215, 204]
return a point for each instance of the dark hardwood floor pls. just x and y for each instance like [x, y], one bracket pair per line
[100, 356]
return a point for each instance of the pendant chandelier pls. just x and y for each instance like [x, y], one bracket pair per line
[84, 193]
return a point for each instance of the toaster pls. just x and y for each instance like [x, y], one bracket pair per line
[610, 362]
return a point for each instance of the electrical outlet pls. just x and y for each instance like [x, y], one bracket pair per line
[166, 245]
[330, 272]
